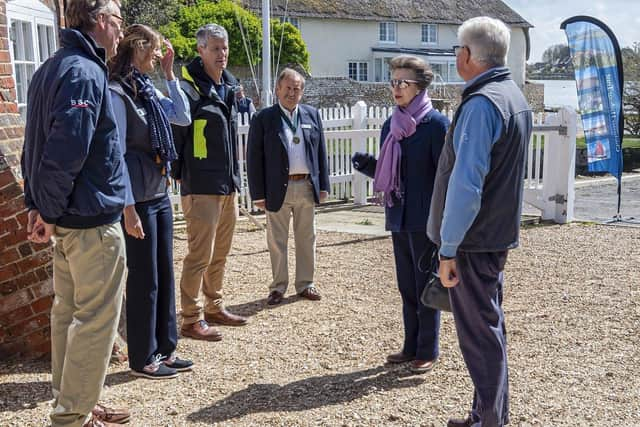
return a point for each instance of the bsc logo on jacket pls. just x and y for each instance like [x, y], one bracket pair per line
[80, 103]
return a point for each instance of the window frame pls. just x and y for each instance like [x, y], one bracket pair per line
[422, 34]
[386, 25]
[357, 66]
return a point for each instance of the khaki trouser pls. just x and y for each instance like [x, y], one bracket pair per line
[211, 220]
[88, 277]
[298, 201]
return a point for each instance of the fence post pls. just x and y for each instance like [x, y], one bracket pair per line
[559, 169]
[359, 143]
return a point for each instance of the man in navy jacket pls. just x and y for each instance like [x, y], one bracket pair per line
[74, 186]
[287, 171]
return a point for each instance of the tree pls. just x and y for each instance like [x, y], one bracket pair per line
[238, 22]
[556, 54]
[631, 102]
[153, 13]
[631, 62]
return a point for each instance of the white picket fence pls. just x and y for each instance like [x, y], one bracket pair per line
[548, 183]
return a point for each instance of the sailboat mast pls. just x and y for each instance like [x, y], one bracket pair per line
[266, 54]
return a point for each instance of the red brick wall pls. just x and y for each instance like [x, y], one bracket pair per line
[25, 269]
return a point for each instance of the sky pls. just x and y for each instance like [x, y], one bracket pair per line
[622, 16]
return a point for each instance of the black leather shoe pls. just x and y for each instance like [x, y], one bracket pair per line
[274, 298]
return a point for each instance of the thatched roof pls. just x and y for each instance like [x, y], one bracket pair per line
[428, 11]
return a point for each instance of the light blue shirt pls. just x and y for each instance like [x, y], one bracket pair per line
[175, 106]
[478, 128]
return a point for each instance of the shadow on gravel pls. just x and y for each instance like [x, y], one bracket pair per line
[252, 308]
[27, 395]
[306, 394]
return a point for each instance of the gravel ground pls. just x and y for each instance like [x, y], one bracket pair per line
[573, 314]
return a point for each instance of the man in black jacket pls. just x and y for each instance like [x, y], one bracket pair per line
[74, 189]
[288, 174]
[209, 176]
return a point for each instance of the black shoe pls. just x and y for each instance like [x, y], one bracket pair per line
[180, 365]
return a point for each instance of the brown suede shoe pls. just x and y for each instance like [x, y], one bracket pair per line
[201, 331]
[311, 293]
[399, 357]
[275, 297]
[111, 415]
[223, 317]
[97, 422]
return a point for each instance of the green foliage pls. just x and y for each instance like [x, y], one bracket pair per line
[294, 51]
[154, 13]
[181, 31]
[227, 13]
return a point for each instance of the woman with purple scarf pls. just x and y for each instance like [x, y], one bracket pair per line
[412, 139]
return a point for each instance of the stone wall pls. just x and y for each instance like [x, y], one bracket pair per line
[26, 287]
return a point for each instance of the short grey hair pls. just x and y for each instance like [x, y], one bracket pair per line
[208, 31]
[289, 73]
[487, 39]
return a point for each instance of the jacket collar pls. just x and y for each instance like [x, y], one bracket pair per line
[73, 38]
[493, 74]
[195, 74]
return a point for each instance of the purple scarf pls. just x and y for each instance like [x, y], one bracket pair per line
[403, 124]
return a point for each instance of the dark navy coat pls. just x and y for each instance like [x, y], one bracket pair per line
[268, 159]
[419, 162]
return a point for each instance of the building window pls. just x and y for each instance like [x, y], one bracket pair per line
[290, 20]
[359, 71]
[453, 73]
[388, 32]
[430, 33]
[32, 36]
[382, 70]
[440, 72]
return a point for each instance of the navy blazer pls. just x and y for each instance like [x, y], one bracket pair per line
[419, 162]
[268, 160]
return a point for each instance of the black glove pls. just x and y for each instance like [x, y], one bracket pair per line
[360, 160]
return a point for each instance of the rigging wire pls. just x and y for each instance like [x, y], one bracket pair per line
[247, 48]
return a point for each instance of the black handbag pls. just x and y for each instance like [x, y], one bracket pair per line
[434, 294]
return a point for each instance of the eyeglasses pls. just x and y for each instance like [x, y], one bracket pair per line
[401, 84]
[457, 49]
[115, 24]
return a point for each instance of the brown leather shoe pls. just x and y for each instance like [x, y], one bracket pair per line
[201, 331]
[311, 293]
[111, 415]
[460, 422]
[275, 297]
[97, 422]
[223, 317]
[399, 357]
[422, 366]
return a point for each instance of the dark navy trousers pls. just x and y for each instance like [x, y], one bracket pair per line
[476, 303]
[413, 252]
[151, 308]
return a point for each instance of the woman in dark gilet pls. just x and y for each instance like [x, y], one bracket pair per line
[143, 116]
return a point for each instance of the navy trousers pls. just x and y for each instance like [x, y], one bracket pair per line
[413, 251]
[151, 307]
[476, 303]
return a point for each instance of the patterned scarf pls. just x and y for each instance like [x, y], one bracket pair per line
[403, 124]
[159, 127]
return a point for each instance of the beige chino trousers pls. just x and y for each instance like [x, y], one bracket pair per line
[88, 281]
[211, 220]
[299, 203]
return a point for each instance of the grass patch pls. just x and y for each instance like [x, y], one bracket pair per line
[626, 142]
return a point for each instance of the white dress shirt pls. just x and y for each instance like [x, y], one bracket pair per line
[297, 152]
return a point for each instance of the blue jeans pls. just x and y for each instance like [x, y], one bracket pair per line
[151, 307]
[421, 324]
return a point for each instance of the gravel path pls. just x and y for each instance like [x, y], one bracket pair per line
[573, 316]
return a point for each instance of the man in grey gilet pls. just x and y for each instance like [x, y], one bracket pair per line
[475, 209]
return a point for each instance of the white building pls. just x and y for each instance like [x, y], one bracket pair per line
[357, 38]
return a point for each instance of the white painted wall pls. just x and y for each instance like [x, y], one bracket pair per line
[334, 43]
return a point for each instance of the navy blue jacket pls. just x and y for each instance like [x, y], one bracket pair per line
[268, 160]
[72, 162]
[419, 162]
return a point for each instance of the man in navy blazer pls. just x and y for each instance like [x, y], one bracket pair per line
[288, 174]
